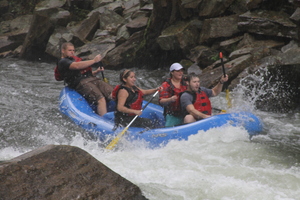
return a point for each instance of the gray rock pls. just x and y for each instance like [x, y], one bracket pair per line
[62, 172]
[268, 23]
[181, 35]
[111, 21]
[213, 8]
[219, 27]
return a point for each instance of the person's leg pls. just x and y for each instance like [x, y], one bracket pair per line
[89, 89]
[173, 121]
[105, 88]
[101, 106]
[104, 91]
[188, 119]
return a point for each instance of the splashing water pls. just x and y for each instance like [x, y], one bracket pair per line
[221, 163]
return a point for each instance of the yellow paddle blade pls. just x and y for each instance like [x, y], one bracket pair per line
[228, 98]
[219, 110]
[105, 80]
[115, 141]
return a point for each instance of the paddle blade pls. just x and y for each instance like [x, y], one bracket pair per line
[228, 98]
[219, 110]
[115, 141]
[105, 80]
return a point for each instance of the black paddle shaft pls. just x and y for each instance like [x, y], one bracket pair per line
[222, 62]
[100, 64]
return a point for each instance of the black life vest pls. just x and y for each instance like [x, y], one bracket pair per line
[133, 101]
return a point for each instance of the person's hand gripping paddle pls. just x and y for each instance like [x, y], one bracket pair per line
[226, 86]
[115, 141]
[101, 66]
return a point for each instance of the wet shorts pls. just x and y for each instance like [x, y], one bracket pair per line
[172, 120]
[93, 89]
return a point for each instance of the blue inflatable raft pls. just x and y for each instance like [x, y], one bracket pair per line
[73, 105]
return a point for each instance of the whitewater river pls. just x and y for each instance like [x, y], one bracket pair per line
[220, 164]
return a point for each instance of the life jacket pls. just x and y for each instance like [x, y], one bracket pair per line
[201, 102]
[59, 77]
[133, 101]
[115, 91]
[174, 108]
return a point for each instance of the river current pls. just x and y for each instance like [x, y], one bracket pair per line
[219, 164]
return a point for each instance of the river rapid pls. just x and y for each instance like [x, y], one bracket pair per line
[219, 164]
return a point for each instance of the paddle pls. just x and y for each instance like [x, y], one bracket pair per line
[226, 88]
[114, 142]
[219, 110]
[104, 79]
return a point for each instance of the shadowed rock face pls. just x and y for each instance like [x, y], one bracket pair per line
[62, 172]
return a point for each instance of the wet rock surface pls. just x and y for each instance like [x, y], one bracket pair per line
[62, 172]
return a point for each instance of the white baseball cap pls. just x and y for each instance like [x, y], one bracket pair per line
[176, 66]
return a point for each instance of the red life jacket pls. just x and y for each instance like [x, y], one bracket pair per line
[115, 91]
[174, 108]
[201, 102]
[59, 77]
[133, 101]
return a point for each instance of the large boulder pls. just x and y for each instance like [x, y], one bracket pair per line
[220, 27]
[213, 8]
[182, 35]
[14, 32]
[98, 46]
[124, 54]
[111, 21]
[87, 28]
[62, 172]
[42, 26]
[60, 35]
[269, 23]
[203, 55]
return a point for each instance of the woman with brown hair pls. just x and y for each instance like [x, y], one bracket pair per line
[129, 99]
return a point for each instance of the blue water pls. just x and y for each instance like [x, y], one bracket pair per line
[221, 163]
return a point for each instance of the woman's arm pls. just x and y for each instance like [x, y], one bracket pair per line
[122, 97]
[149, 91]
[166, 101]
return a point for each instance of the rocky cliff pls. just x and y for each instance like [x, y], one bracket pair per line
[255, 36]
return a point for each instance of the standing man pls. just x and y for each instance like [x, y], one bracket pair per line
[79, 76]
[195, 101]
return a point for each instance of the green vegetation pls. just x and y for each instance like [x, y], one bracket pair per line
[215, 57]
[78, 14]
